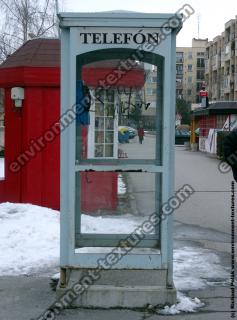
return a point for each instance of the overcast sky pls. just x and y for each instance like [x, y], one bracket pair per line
[213, 14]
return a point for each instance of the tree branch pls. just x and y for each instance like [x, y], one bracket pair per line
[9, 8]
[43, 18]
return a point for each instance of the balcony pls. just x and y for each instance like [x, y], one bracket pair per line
[214, 62]
[179, 60]
[179, 85]
[179, 72]
[226, 84]
[207, 65]
[214, 91]
[222, 58]
[227, 52]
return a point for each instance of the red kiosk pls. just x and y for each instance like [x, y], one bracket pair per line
[35, 69]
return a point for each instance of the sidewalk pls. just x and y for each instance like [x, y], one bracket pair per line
[24, 298]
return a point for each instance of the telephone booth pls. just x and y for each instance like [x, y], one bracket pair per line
[118, 78]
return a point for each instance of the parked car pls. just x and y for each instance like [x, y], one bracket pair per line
[125, 133]
[181, 136]
[132, 132]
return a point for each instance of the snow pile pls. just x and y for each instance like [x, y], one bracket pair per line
[29, 243]
[110, 224]
[197, 268]
[1, 168]
[121, 185]
[185, 304]
[29, 238]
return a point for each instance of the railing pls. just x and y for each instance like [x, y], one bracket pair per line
[179, 84]
[179, 72]
[179, 60]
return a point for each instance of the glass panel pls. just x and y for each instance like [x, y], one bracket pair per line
[130, 107]
[99, 137]
[99, 150]
[109, 124]
[109, 137]
[99, 123]
[109, 149]
[117, 203]
[99, 109]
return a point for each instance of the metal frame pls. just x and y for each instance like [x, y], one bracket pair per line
[70, 49]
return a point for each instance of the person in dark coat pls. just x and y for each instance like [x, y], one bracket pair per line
[140, 132]
[230, 151]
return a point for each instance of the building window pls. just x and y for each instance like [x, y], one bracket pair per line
[189, 92]
[150, 91]
[200, 74]
[190, 68]
[102, 137]
[179, 57]
[190, 55]
[200, 63]
[179, 69]
[190, 79]
[199, 86]
[154, 79]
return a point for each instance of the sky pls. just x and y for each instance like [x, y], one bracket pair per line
[212, 14]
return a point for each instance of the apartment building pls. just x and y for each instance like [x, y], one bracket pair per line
[190, 70]
[221, 64]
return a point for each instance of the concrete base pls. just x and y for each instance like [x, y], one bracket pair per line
[121, 288]
[194, 147]
[187, 145]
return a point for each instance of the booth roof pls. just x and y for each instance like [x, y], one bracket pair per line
[35, 53]
[46, 53]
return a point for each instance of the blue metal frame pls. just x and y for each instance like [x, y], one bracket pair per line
[71, 25]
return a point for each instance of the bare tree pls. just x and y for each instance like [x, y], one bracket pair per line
[24, 20]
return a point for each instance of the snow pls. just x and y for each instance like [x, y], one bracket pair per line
[29, 243]
[197, 268]
[110, 224]
[29, 238]
[185, 304]
[1, 168]
[121, 185]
